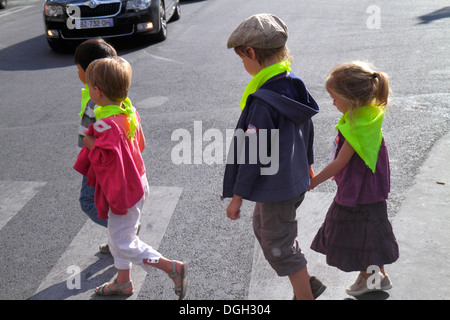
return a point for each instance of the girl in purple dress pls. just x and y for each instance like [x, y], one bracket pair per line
[356, 234]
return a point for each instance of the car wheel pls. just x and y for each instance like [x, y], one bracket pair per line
[58, 45]
[162, 34]
[2, 4]
[177, 12]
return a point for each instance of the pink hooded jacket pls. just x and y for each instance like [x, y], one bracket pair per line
[114, 166]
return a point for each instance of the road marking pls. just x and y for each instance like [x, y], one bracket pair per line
[13, 10]
[14, 195]
[161, 58]
[435, 72]
[265, 283]
[152, 102]
[97, 268]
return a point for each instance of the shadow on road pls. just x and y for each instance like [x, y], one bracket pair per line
[99, 272]
[32, 54]
[435, 15]
[35, 54]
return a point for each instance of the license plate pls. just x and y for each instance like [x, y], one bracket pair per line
[94, 23]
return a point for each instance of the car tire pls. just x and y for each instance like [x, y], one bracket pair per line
[58, 45]
[3, 4]
[162, 33]
[177, 13]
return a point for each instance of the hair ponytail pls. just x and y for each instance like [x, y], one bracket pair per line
[381, 88]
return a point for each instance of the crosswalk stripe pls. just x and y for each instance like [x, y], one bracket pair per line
[14, 195]
[264, 282]
[82, 267]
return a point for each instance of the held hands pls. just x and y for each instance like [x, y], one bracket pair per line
[343, 157]
[234, 208]
[312, 182]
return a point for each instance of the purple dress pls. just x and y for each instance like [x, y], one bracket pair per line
[356, 232]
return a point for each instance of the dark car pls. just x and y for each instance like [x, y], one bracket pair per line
[75, 20]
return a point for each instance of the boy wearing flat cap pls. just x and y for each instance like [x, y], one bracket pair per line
[275, 103]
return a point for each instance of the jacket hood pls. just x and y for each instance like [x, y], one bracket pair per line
[297, 111]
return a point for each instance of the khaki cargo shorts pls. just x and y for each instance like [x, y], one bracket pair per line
[275, 227]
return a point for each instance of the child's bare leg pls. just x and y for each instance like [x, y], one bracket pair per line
[123, 277]
[301, 285]
[166, 266]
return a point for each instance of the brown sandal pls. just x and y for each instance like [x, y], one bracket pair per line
[181, 286]
[117, 291]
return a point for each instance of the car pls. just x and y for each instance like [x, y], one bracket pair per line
[69, 21]
[3, 4]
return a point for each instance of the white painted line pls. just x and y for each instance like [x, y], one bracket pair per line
[96, 268]
[434, 72]
[152, 102]
[264, 282]
[14, 195]
[161, 58]
[13, 10]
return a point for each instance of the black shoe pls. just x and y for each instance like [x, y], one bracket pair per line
[104, 248]
[317, 288]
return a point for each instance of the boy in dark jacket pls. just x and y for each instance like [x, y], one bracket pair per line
[272, 152]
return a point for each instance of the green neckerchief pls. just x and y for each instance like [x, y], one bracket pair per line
[112, 110]
[85, 97]
[262, 76]
[363, 132]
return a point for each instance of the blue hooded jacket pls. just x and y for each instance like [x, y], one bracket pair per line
[282, 103]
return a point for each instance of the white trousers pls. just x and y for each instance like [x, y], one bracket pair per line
[125, 246]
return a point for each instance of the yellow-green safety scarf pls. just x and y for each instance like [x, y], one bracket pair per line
[85, 97]
[112, 110]
[262, 76]
[363, 132]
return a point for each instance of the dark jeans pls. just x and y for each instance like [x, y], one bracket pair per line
[87, 203]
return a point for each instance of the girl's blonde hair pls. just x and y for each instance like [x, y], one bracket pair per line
[263, 55]
[359, 84]
[112, 76]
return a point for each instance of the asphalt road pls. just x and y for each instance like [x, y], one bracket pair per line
[192, 80]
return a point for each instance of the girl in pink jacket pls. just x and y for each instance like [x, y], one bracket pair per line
[112, 161]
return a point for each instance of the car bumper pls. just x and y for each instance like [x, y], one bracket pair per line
[144, 22]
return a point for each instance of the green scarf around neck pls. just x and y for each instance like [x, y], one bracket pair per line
[85, 97]
[113, 110]
[262, 76]
[363, 131]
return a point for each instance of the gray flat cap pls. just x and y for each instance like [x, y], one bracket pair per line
[261, 31]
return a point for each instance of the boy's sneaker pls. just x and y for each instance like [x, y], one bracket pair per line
[104, 248]
[360, 286]
[317, 288]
